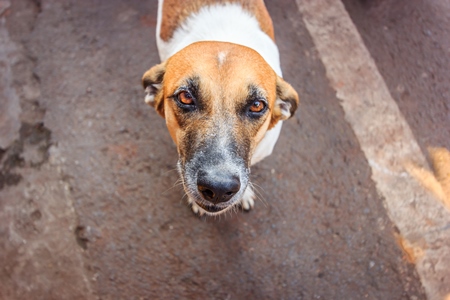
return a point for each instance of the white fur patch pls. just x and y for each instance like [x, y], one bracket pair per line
[221, 57]
[150, 92]
[149, 97]
[265, 147]
[224, 23]
[285, 108]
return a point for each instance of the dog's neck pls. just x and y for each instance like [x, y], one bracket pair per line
[224, 23]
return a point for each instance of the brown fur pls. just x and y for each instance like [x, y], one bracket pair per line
[174, 13]
[224, 91]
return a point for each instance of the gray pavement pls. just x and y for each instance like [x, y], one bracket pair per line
[89, 205]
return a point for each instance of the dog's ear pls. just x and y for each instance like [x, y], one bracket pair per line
[153, 81]
[286, 102]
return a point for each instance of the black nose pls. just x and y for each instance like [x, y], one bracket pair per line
[217, 187]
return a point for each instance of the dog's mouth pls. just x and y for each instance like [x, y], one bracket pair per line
[211, 208]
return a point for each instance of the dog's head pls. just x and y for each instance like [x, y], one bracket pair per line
[218, 99]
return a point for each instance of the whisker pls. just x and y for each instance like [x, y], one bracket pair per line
[177, 184]
[170, 170]
[184, 196]
[234, 210]
[259, 193]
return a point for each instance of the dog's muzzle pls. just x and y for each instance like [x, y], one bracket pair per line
[215, 175]
[215, 188]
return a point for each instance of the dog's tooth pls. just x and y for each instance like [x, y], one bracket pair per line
[196, 209]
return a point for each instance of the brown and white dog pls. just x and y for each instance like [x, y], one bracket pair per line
[220, 90]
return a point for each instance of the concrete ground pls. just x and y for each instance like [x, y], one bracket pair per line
[89, 206]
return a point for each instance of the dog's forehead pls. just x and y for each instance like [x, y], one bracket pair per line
[218, 65]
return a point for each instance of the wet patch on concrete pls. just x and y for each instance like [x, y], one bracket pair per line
[31, 150]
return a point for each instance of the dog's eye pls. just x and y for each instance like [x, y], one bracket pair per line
[257, 106]
[185, 98]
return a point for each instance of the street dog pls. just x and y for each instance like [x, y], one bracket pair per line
[220, 89]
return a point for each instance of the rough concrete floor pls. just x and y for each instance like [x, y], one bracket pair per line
[89, 208]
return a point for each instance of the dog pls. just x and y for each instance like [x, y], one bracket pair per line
[220, 89]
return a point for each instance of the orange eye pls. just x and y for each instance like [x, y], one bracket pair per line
[257, 106]
[185, 98]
